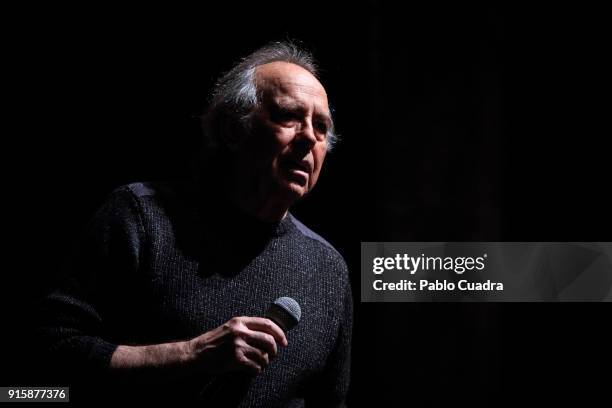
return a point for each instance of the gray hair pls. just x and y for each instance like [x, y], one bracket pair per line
[235, 95]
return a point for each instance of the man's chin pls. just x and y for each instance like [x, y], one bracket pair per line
[294, 190]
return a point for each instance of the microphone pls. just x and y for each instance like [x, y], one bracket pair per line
[227, 390]
[285, 312]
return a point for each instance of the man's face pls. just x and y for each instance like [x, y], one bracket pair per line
[288, 141]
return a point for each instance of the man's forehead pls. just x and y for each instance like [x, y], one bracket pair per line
[284, 77]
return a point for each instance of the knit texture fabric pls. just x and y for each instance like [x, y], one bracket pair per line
[165, 262]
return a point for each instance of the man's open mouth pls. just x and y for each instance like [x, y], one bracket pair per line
[302, 165]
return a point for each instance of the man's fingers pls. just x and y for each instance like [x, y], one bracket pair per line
[267, 326]
[262, 341]
[257, 356]
[250, 365]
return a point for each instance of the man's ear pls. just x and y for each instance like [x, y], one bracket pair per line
[233, 132]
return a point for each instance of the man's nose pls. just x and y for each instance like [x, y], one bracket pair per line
[305, 135]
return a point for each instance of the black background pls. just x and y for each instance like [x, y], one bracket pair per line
[463, 123]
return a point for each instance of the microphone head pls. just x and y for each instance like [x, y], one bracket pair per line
[285, 312]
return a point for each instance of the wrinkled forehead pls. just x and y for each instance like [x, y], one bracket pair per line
[283, 81]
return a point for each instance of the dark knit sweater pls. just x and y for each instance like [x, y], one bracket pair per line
[163, 262]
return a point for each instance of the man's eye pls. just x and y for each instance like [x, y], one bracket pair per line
[283, 116]
[321, 127]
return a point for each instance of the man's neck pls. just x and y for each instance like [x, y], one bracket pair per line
[266, 211]
[250, 198]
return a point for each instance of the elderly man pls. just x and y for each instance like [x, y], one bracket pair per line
[170, 283]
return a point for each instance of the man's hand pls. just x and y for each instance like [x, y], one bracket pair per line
[241, 344]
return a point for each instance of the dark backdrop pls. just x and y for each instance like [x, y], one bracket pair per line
[460, 123]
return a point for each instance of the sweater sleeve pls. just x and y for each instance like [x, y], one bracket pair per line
[330, 389]
[74, 319]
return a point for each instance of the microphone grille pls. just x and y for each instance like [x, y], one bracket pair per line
[286, 312]
[290, 305]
